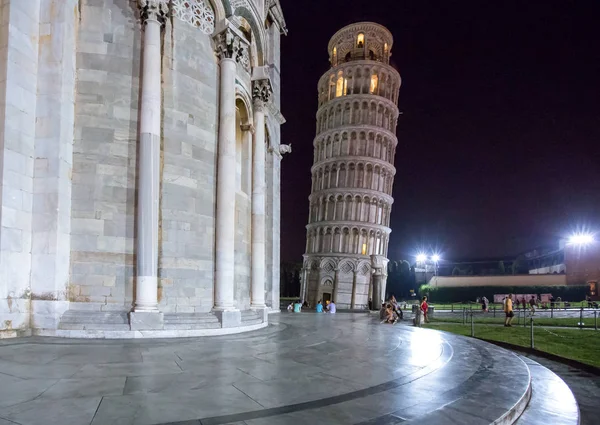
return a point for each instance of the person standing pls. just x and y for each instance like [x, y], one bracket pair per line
[508, 310]
[424, 308]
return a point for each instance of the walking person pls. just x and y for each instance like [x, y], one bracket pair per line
[424, 307]
[532, 304]
[508, 310]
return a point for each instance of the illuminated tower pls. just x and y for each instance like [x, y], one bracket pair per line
[353, 172]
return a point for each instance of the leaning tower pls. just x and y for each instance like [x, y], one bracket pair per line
[352, 174]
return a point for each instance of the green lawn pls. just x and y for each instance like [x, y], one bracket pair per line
[575, 344]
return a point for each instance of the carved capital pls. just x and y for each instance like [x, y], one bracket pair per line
[262, 91]
[154, 10]
[230, 45]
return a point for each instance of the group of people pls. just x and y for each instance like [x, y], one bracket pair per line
[390, 311]
[533, 303]
[297, 307]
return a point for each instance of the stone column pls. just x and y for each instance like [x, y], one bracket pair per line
[303, 283]
[353, 300]
[153, 14]
[261, 93]
[336, 285]
[377, 279]
[276, 154]
[229, 49]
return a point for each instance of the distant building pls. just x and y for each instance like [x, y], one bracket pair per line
[550, 265]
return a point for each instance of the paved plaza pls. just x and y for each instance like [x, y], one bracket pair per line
[302, 369]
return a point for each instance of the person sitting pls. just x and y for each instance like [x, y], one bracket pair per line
[298, 307]
[331, 307]
[383, 312]
[319, 307]
[290, 307]
[305, 304]
[390, 316]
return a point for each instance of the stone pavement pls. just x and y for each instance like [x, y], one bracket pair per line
[304, 368]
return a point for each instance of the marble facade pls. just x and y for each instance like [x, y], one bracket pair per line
[139, 163]
[353, 172]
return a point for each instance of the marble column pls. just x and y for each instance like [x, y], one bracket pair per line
[353, 300]
[303, 284]
[229, 50]
[153, 13]
[276, 154]
[336, 285]
[377, 282]
[261, 93]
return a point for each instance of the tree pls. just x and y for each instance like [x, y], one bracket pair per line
[518, 265]
[501, 268]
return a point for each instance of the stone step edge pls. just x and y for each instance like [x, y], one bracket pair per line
[163, 333]
[539, 411]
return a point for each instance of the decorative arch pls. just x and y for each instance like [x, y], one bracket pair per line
[244, 96]
[256, 30]
[346, 266]
[327, 265]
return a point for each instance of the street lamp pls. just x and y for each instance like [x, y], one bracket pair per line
[435, 258]
[421, 258]
[581, 239]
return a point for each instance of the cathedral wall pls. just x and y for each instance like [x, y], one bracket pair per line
[19, 30]
[104, 153]
[187, 220]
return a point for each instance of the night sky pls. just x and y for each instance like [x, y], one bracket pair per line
[499, 141]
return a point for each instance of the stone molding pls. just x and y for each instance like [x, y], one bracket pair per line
[154, 10]
[339, 160]
[361, 97]
[360, 225]
[276, 114]
[354, 192]
[356, 128]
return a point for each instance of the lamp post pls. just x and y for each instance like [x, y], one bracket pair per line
[436, 259]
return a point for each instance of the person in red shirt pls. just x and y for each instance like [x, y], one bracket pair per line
[424, 307]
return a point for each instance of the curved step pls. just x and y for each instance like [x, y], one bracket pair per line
[552, 401]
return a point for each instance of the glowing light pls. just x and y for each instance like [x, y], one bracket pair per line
[435, 258]
[421, 258]
[581, 239]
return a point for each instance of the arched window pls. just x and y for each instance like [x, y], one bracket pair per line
[374, 82]
[341, 86]
[360, 40]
